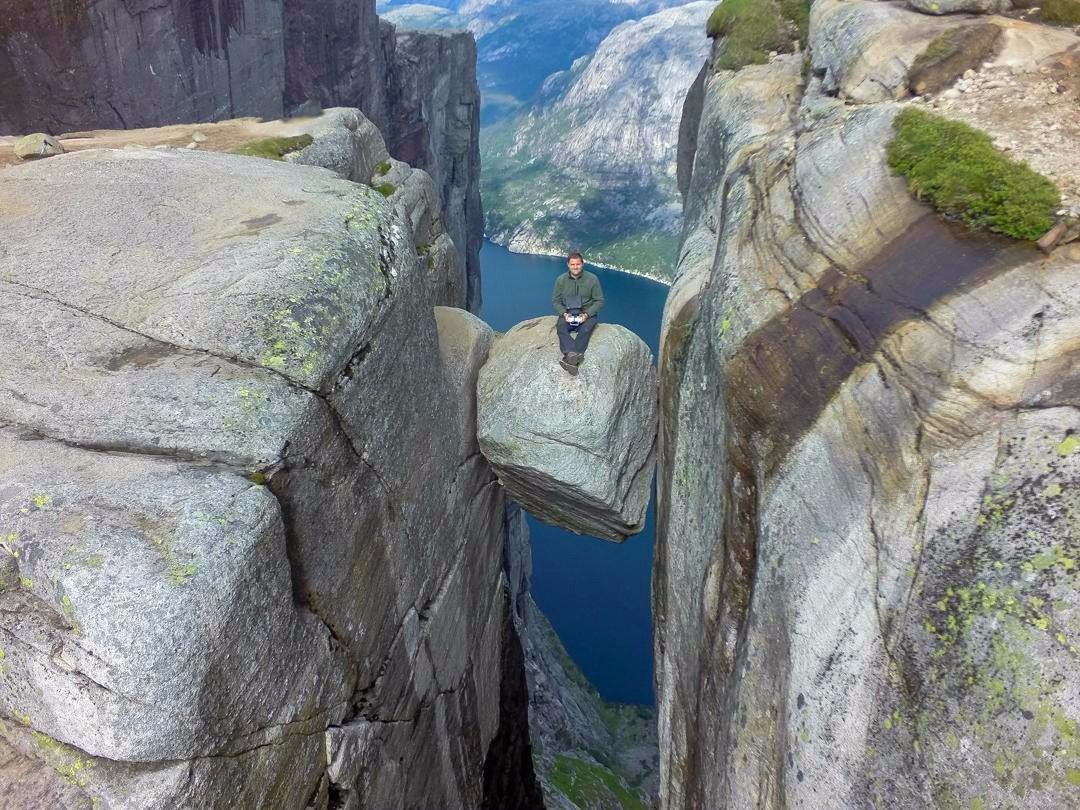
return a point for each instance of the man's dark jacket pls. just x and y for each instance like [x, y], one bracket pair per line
[586, 287]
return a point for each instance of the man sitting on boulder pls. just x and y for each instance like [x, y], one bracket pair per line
[577, 299]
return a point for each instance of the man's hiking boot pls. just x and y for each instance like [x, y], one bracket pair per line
[575, 358]
[568, 366]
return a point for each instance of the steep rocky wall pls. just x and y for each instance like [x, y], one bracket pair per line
[74, 65]
[251, 555]
[433, 105]
[83, 64]
[333, 57]
[865, 580]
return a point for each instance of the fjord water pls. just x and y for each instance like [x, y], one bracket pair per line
[595, 593]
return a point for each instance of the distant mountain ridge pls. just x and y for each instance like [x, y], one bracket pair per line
[593, 164]
[522, 42]
[581, 108]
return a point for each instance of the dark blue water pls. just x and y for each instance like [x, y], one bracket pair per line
[595, 593]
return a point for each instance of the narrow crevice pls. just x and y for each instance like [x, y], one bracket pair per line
[50, 298]
[209, 461]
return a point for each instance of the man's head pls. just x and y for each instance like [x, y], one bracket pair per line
[576, 263]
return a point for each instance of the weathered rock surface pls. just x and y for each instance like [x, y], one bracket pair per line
[866, 49]
[960, 50]
[861, 406]
[345, 142]
[114, 66]
[960, 6]
[577, 452]
[257, 558]
[37, 145]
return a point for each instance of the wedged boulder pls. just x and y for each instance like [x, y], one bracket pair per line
[577, 452]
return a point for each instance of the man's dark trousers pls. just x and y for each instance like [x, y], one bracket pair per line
[567, 343]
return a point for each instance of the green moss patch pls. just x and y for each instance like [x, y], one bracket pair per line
[1061, 12]
[957, 170]
[587, 784]
[382, 168]
[751, 29]
[273, 148]
[386, 189]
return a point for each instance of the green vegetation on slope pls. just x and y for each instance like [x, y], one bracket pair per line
[957, 169]
[570, 209]
[753, 28]
[1061, 12]
[273, 148]
[589, 785]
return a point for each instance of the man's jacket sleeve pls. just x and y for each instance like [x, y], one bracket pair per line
[557, 297]
[597, 302]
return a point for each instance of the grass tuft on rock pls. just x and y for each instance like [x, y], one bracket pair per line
[273, 148]
[956, 169]
[1061, 12]
[386, 189]
[751, 29]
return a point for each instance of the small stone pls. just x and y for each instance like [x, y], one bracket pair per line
[969, 73]
[951, 93]
[192, 145]
[37, 145]
[198, 137]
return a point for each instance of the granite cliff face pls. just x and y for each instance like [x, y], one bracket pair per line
[251, 554]
[113, 64]
[865, 582]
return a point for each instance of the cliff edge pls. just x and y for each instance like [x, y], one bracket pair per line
[865, 587]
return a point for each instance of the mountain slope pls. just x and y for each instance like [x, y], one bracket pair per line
[593, 164]
[522, 42]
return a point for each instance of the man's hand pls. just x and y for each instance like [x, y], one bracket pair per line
[566, 316]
